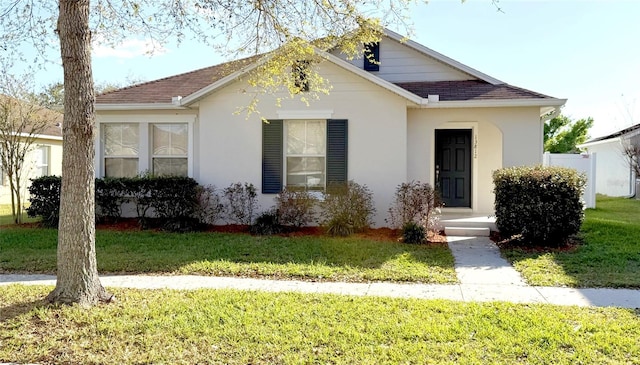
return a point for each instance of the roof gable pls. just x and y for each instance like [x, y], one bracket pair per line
[468, 85]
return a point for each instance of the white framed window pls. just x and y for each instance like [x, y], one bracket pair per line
[169, 149]
[305, 154]
[121, 144]
[43, 154]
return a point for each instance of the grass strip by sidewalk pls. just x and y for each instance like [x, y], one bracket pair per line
[308, 258]
[235, 327]
[609, 256]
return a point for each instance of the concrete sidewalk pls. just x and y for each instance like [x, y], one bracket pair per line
[484, 276]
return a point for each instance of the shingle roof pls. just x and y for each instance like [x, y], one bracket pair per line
[469, 90]
[162, 90]
[616, 134]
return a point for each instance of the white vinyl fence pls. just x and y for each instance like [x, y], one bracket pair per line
[585, 163]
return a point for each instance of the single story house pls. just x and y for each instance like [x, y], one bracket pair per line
[614, 175]
[412, 114]
[43, 158]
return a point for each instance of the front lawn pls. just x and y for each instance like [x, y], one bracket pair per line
[354, 258]
[5, 216]
[240, 327]
[609, 256]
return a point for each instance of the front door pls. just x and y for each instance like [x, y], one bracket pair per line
[453, 166]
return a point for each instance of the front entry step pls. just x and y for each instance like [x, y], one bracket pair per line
[467, 231]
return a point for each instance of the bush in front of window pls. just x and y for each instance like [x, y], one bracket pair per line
[110, 196]
[267, 224]
[539, 205]
[414, 202]
[209, 208]
[240, 202]
[174, 202]
[44, 195]
[170, 203]
[296, 208]
[413, 232]
[347, 208]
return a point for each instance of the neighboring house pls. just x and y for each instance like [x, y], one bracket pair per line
[44, 158]
[614, 174]
[413, 115]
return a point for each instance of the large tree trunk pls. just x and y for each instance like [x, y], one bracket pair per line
[78, 280]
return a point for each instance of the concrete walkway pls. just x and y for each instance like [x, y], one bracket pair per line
[484, 276]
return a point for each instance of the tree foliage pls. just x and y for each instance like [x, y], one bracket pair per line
[21, 121]
[563, 135]
[278, 31]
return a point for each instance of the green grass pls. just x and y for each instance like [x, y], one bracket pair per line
[310, 258]
[6, 219]
[608, 257]
[235, 327]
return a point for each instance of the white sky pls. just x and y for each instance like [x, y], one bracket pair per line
[584, 51]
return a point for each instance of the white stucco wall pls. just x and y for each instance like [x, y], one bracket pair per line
[613, 173]
[501, 137]
[31, 169]
[230, 147]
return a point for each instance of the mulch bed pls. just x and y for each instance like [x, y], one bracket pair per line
[377, 234]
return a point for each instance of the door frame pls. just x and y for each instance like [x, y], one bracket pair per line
[473, 127]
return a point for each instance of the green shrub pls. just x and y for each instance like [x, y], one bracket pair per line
[174, 202]
[267, 224]
[209, 208]
[45, 199]
[541, 205]
[347, 208]
[414, 202]
[413, 232]
[167, 202]
[240, 203]
[111, 194]
[295, 208]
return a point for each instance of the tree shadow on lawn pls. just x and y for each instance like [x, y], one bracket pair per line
[9, 312]
[147, 251]
[594, 259]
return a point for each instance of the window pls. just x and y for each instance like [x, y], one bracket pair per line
[300, 75]
[372, 57]
[303, 153]
[42, 162]
[169, 149]
[121, 142]
[306, 153]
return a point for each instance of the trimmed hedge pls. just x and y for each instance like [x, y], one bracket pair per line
[541, 205]
[45, 199]
[167, 202]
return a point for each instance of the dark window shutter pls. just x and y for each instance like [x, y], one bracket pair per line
[337, 133]
[272, 157]
[372, 57]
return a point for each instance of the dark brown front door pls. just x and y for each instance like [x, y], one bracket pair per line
[453, 166]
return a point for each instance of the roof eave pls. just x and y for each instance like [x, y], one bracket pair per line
[442, 58]
[204, 92]
[493, 103]
[139, 106]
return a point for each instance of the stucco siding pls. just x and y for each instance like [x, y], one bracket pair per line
[501, 137]
[400, 63]
[230, 143]
[33, 167]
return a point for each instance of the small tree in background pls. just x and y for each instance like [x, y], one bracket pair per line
[21, 121]
[563, 135]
